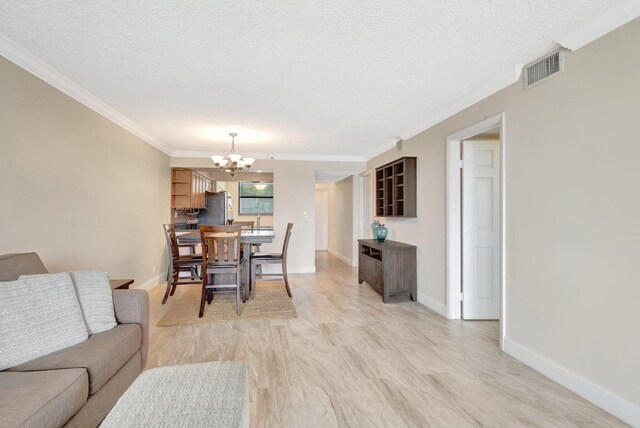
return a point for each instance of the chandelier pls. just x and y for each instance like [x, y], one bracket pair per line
[232, 161]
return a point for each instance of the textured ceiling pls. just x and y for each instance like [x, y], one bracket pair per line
[291, 77]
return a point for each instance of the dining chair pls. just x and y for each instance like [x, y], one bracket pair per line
[179, 263]
[223, 263]
[249, 225]
[258, 259]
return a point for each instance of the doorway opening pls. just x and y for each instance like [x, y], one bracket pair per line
[337, 213]
[475, 222]
[322, 217]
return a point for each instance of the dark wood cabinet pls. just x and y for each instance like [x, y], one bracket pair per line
[389, 267]
[396, 188]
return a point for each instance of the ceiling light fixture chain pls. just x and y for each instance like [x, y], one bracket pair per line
[232, 161]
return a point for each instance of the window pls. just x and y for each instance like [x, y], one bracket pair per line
[255, 198]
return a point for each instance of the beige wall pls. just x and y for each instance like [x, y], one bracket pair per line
[78, 189]
[341, 202]
[572, 217]
[294, 201]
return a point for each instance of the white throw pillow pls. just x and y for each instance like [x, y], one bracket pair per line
[96, 300]
[39, 314]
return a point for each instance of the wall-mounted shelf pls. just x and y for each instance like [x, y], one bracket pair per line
[396, 188]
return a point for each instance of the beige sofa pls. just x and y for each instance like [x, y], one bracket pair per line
[77, 386]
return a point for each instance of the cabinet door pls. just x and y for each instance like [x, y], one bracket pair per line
[371, 272]
[378, 277]
[194, 189]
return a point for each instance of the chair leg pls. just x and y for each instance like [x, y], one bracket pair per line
[252, 280]
[242, 284]
[174, 282]
[166, 293]
[238, 285]
[202, 298]
[247, 281]
[171, 280]
[286, 277]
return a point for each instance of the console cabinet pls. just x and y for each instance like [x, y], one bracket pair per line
[389, 267]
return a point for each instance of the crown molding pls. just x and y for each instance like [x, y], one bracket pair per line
[499, 82]
[208, 153]
[271, 156]
[382, 148]
[24, 59]
[577, 38]
[319, 158]
[601, 25]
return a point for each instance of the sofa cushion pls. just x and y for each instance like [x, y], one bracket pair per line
[41, 399]
[39, 314]
[96, 300]
[102, 355]
[16, 264]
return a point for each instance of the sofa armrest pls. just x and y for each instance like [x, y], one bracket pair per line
[132, 307]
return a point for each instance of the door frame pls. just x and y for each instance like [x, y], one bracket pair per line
[454, 217]
[362, 228]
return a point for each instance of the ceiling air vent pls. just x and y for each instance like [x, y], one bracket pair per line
[399, 144]
[543, 69]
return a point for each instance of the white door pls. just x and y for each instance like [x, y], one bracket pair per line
[367, 205]
[322, 219]
[481, 230]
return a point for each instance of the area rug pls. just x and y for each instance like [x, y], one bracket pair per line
[270, 302]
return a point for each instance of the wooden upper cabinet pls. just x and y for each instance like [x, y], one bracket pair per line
[188, 188]
[195, 189]
[396, 189]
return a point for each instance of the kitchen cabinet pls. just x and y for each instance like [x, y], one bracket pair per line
[188, 188]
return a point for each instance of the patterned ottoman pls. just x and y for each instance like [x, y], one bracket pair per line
[191, 395]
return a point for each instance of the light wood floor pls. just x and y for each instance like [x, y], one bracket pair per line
[349, 360]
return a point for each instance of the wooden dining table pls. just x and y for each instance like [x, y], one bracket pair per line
[249, 237]
[255, 236]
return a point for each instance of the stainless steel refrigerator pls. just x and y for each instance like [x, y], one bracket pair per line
[218, 205]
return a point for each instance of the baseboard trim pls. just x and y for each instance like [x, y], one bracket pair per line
[148, 285]
[432, 304]
[345, 259]
[302, 269]
[601, 397]
[277, 269]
